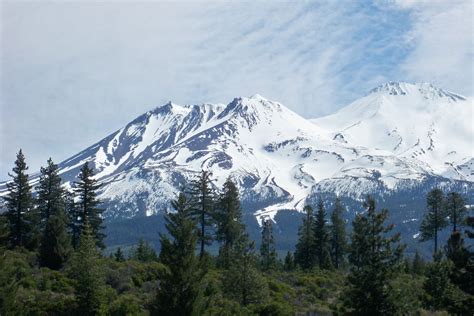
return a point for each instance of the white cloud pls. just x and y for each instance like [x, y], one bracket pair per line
[74, 72]
[442, 38]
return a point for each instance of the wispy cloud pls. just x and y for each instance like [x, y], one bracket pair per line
[442, 42]
[74, 72]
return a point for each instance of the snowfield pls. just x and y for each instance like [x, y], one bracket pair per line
[398, 135]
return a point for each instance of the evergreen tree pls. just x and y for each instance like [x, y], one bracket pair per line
[228, 218]
[242, 282]
[338, 239]
[438, 287]
[55, 242]
[321, 238]
[202, 208]
[50, 195]
[74, 218]
[418, 264]
[468, 286]
[470, 224]
[374, 258]
[462, 273]
[4, 232]
[435, 218]
[19, 205]
[86, 190]
[267, 248]
[118, 255]
[179, 292]
[455, 207]
[305, 247]
[55, 245]
[86, 269]
[144, 252]
[289, 263]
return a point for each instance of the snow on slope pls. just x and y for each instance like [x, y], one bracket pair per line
[412, 121]
[398, 135]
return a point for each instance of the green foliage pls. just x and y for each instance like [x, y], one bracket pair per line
[87, 270]
[118, 255]
[183, 284]
[337, 235]
[179, 292]
[27, 290]
[127, 304]
[73, 218]
[228, 217]
[461, 273]
[374, 259]
[268, 257]
[55, 247]
[289, 263]
[86, 191]
[144, 252]
[306, 292]
[438, 287]
[321, 238]
[242, 282]
[202, 207]
[21, 218]
[418, 265]
[4, 230]
[305, 247]
[49, 200]
[275, 309]
[405, 294]
[455, 207]
[435, 218]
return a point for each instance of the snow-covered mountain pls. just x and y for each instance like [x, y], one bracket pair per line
[396, 137]
[411, 121]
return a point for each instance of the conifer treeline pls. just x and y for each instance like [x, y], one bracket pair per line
[65, 230]
[52, 221]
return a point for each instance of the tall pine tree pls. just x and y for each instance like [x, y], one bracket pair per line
[338, 239]
[242, 281]
[202, 208]
[228, 218]
[455, 207]
[374, 258]
[86, 190]
[50, 194]
[144, 252]
[86, 269]
[321, 238]
[4, 231]
[305, 247]
[267, 248]
[179, 292]
[118, 255]
[74, 218]
[439, 291]
[55, 246]
[289, 262]
[435, 218]
[418, 264]
[19, 206]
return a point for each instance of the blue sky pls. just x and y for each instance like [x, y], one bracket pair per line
[73, 72]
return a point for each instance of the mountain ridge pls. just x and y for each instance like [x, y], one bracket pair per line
[277, 157]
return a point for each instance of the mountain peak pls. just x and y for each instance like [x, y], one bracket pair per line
[427, 90]
[258, 97]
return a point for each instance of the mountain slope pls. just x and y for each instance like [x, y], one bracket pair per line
[394, 139]
[411, 121]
